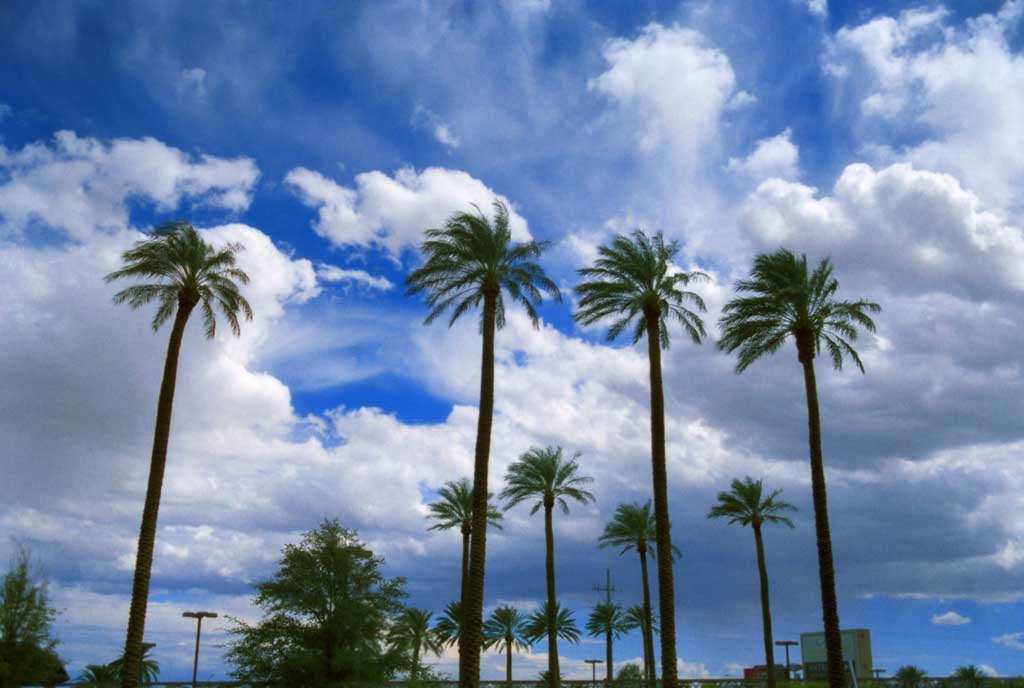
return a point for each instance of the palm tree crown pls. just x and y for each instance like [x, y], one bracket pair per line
[536, 626]
[185, 272]
[470, 258]
[504, 630]
[545, 475]
[607, 618]
[634, 278]
[787, 301]
[449, 624]
[632, 528]
[634, 618]
[412, 634]
[746, 504]
[454, 509]
[99, 675]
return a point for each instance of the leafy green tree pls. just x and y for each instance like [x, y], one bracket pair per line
[607, 619]
[27, 646]
[149, 668]
[99, 675]
[782, 300]
[181, 272]
[470, 263]
[537, 625]
[327, 612]
[455, 510]
[633, 528]
[503, 631]
[970, 675]
[747, 505]
[910, 676]
[544, 475]
[634, 282]
[449, 624]
[412, 635]
[630, 674]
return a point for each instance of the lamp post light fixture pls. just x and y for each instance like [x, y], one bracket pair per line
[198, 616]
[593, 668]
[786, 644]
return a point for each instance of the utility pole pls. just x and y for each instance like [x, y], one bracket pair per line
[786, 644]
[198, 616]
[608, 588]
[593, 667]
[878, 674]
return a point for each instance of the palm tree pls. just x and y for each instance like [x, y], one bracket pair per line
[788, 301]
[608, 620]
[747, 505]
[910, 676]
[971, 675]
[638, 617]
[99, 675]
[449, 625]
[546, 476]
[633, 527]
[538, 626]
[504, 632]
[455, 510]
[634, 282]
[412, 633]
[181, 272]
[470, 262]
[149, 668]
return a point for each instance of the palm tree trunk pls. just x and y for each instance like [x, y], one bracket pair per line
[471, 633]
[608, 656]
[766, 614]
[147, 531]
[549, 570]
[464, 585]
[826, 569]
[415, 663]
[508, 660]
[663, 528]
[648, 628]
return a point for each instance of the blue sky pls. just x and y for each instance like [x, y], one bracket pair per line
[327, 137]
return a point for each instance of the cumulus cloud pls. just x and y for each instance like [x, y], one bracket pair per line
[776, 156]
[80, 184]
[391, 213]
[950, 618]
[1014, 641]
[332, 273]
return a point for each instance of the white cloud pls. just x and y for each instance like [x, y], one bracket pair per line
[988, 670]
[1014, 641]
[192, 82]
[391, 213]
[958, 90]
[79, 184]
[950, 618]
[332, 273]
[673, 84]
[817, 7]
[776, 156]
[424, 118]
[5, 111]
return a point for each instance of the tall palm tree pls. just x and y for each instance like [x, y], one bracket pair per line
[98, 675]
[412, 634]
[449, 625]
[785, 301]
[748, 505]
[538, 626]
[455, 510]
[634, 282]
[633, 527]
[181, 272]
[608, 620]
[504, 632]
[470, 263]
[544, 475]
[637, 617]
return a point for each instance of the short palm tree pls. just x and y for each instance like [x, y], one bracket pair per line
[782, 300]
[633, 528]
[910, 676]
[98, 675]
[607, 619]
[970, 675]
[634, 282]
[503, 631]
[181, 272]
[747, 505]
[538, 626]
[454, 509]
[149, 668]
[449, 625]
[411, 634]
[470, 263]
[544, 475]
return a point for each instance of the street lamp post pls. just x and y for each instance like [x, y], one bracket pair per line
[878, 674]
[198, 616]
[786, 644]
[593, 668]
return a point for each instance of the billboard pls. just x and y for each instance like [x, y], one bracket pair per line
[856, 650]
